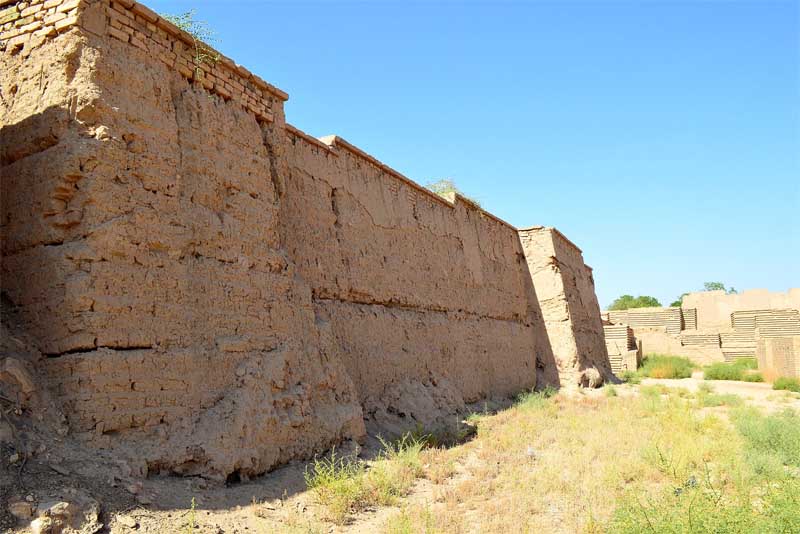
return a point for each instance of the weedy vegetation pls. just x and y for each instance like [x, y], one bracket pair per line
[666, 366]
[737, 370]
[201, 34]
[654, 462]
[787, 384]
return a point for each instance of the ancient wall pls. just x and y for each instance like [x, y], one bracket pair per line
[779, 356]
[400, 271]
[672, 331]
[624, 352]
[714, 308]
[217, 292]
[140, 240]
[670, 319]
[565, 290]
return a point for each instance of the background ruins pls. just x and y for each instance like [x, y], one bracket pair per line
[713, 326]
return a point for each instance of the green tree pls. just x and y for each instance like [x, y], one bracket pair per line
[718, 286]
[629, 301]
[446, 187]
[679, 302]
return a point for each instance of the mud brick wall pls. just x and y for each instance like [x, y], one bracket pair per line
[714, 308]
[669, 319]
[217, 292]
[30, 23]
[565, 291]
[400, 271]
[779, 356]
[140, 240]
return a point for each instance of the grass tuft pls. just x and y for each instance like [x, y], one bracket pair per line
[631, 377]
[338, 484]
[736, 370]
[348, 485]
[666, 366]
[788, 384]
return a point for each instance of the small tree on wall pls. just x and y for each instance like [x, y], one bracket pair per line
[201, 34]
[707, 286]
[446, 187]
[718, 286]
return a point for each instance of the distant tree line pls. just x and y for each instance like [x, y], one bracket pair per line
[645, 301]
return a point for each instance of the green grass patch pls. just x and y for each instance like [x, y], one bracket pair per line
[788, 384]
[777, 435]
[746, 481]
[348, 485]
[736, 370]
[666, 366]
[631, 377]
[534, 400]
[753, 377]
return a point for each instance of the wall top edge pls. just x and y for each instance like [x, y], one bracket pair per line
[554, 230]
[294, 130]
[335, 141]
[759, 290]
[156, 19]
[649, 309]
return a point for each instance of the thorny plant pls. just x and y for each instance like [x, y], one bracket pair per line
[200, 33]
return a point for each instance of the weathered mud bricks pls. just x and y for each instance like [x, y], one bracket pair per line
[217, 291]
[565, 290]
[779, 356]
[714, 308]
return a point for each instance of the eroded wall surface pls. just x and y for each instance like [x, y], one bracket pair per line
[779, 356]
[217, 292]
[140, 239]
[418, 290]
[565, 290]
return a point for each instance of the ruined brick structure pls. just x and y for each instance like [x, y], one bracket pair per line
[675, 330]
[218, 292]
[714, 308]
[565, 290]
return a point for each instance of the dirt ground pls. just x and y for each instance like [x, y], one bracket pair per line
[280, 502]
[755, 393]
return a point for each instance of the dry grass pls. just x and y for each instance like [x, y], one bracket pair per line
[596, 463]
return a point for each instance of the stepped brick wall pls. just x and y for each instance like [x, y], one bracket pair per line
[670, 319]
[670, 331]
[714, 308]
[216, 291]
[623, 351]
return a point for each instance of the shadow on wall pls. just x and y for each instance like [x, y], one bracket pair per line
[38, 176]
[547, 375]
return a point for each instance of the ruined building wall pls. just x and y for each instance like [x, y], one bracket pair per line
[714, 308]
[216, 291]
[565, 290]
[140, 240]
[398, 271]
[779, 356]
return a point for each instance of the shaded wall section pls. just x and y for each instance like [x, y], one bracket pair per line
[140, 241]
[565, 291]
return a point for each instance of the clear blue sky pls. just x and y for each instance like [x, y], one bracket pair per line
[662, 137]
